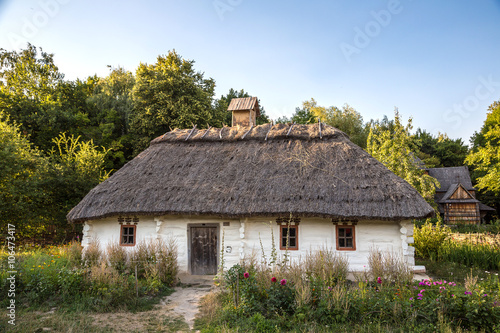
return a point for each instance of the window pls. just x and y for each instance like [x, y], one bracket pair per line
[127, 235]
[345, 238]
[290, 234]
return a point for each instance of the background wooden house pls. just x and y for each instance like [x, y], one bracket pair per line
[456, 197]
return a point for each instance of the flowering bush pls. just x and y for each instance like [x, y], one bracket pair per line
[422, 304]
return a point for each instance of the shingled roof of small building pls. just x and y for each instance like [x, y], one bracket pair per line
[452, 175]
[269, 171]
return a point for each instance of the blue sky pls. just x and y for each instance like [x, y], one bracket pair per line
[437, 61]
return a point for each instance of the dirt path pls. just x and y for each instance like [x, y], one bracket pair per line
[184, 302]
[175, 313]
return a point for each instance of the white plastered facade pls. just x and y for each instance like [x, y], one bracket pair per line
[243, 237]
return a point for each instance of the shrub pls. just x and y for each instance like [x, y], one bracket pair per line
[108, 287]
[158, 252]
[429, 238]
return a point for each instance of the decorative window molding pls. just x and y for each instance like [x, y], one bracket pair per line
[128, 234]
[288, 220]
[346, 237]
[289, 234]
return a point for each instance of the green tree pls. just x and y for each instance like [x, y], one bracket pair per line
[111, 106]
[485, 155]
[440, 151]
[394, 150]
[23, 171]
[32, 93]
[76, 167]
[169, 94]
[346, 119]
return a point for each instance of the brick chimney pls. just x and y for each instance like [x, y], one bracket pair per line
[245, 111]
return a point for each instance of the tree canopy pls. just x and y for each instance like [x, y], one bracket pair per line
[485, 155]
[169, 94]
[394, 148]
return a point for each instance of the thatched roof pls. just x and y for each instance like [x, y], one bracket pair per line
[306, 170]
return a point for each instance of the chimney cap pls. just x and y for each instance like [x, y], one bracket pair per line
[246, 103]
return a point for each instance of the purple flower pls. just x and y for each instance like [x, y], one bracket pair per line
[421, 291]
[246, 275]
[485, 295]
[379, 280]
[283, 282]
[468, 293]
[420, 295]
[411, 298]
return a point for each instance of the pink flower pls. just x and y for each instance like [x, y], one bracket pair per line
[379, 280]
[283, 282]
[273, 279]
[246, 275]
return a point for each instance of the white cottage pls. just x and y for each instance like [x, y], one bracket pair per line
[194, 184]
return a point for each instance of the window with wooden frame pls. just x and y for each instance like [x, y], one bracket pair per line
[346, 239]
[127, 235]
[289, 237]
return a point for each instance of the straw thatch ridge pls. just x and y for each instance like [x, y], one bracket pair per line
[306, 170]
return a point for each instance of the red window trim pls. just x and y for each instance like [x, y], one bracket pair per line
[292, 248]
[353, 248]
[121, 234]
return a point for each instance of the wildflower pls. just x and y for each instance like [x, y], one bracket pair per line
[246, 275]
[421, 291]
[468, 293]
[273, 279]
[452, 295]
[411, 298]
[283, 282]
[379, 280]
[485, 295]
[420, 295]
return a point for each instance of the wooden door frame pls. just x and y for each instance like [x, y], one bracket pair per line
[207, 225]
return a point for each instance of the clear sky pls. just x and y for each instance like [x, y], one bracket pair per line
[437, 61]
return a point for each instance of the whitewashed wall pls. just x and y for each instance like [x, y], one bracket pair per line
[242, 237]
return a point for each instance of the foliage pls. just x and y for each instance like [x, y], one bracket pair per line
[346, 119]
[473, 251]
[34, 95]
[388, 266]
[394, 149]
[54, 275]
[423, 306]
[440, 151]
[429, 238]
[111, 106]
[169, 93]
[485, 155]
[23, 171]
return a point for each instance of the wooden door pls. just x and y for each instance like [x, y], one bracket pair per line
[203, 250]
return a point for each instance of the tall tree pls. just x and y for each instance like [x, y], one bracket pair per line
[394, 149]
[346, 119]
[112, 106]
[485, 155]
[169, 93]
[440, 150]
[23, 168]
[31, 91]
